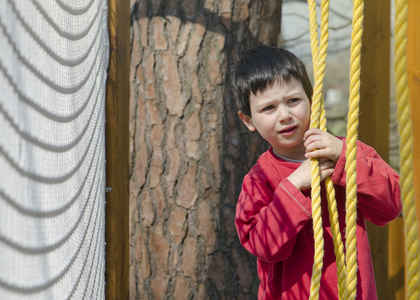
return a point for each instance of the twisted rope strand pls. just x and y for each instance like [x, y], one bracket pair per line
[330, 191]
[351, 152]
[315, 178]
[411, 225]
[319, 54]
[334, 222]
[335, 227]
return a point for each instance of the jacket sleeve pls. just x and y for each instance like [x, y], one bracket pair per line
[268, 221]
[378, 189]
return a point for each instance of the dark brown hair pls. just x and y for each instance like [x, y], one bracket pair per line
[259, 68]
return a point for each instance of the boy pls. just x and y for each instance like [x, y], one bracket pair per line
[273, 216]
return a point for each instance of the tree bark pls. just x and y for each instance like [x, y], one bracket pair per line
[189, 151]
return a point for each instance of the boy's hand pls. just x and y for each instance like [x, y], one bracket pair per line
[320, 144]
[301, 177]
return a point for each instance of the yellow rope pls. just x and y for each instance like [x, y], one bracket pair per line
[411, 225]
[351, 152]
[347, 282]
[318, 120]
[319, 64]
[330, 191]
[335, 224]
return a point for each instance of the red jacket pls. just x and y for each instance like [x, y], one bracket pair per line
[273, 221]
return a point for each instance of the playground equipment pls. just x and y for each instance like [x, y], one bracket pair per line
[53, 71]
[347, 271]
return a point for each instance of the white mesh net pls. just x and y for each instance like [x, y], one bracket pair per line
[53, 63]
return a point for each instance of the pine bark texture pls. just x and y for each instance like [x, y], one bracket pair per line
[189, 151]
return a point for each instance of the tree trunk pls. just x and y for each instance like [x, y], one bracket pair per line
[189, 151]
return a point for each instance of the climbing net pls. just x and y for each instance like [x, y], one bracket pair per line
[347, 264]
[53, 63]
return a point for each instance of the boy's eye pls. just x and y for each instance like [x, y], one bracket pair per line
[293, 100]
[269, 107]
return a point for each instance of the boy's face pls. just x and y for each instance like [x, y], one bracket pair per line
[281, 115]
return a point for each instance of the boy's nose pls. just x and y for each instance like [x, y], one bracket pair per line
[284, 115]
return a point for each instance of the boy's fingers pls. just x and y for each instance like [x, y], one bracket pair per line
[315, 138]
[315, 153]
[318, 144]
[311, 132]
[326, 169]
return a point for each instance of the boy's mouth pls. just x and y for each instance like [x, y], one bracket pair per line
[288, 130]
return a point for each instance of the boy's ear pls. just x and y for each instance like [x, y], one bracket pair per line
[247, 121]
